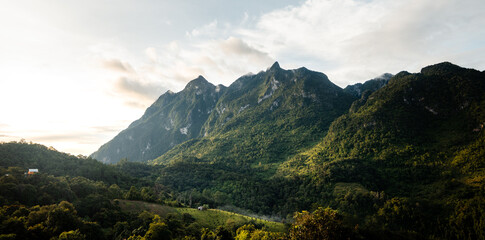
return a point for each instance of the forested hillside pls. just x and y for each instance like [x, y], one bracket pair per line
[262, 118]
[79, 198]
[404, 158]
[410, 153]
[172, 119]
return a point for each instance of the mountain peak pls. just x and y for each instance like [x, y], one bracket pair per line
[441, 69]
[371, 85]
[275, 66]
[200, 81]
[385, 76]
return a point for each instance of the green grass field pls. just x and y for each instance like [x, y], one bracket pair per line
[215, 217]
[139, 206]
[211, 218]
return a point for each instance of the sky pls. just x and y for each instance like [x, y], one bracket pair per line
[73, 74]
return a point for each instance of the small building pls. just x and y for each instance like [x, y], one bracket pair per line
[33, 171]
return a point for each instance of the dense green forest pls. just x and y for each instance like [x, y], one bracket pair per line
[415, 143]
[80, 198]
[398, 158]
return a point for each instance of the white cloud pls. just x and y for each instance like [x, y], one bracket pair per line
[355, 40]
[349, 40]
[206, 30]
[227, 59]
[134, 81]
[245, 18]
[117, 66]
[151, 53]
[220, 61]
[144, 91]
[237, 47]
[139, 82]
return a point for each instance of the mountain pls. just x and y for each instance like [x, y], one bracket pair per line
[371, 85]
[255, 113]
[171, 120]
[397, 158]
[415, 146]
[440, 109]
[262, 119]
[401, 156]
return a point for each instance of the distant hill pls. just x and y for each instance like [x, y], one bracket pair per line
[438, 111]
[372, 85]
[416, 143]
[50, 161]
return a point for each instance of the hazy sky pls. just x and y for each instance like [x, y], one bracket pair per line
[75, 73]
